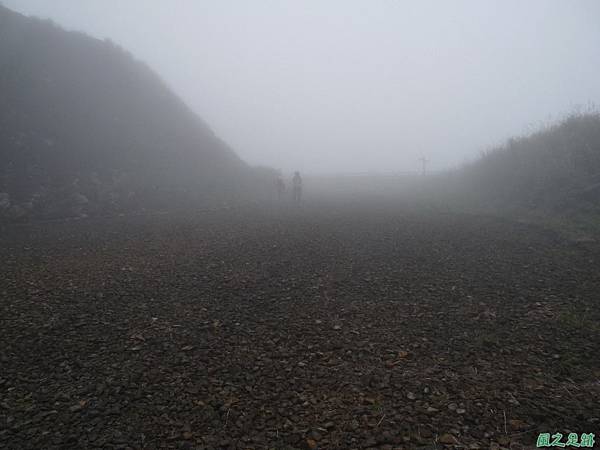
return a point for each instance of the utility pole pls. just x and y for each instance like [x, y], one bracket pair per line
[424, 162]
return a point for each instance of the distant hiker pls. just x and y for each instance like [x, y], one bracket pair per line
[297, 187]
[280, 186]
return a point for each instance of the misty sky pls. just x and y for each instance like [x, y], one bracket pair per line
[348, 86]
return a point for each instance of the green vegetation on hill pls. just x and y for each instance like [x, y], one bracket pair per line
[550, 176]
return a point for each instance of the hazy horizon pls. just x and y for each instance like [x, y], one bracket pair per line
[350, 86]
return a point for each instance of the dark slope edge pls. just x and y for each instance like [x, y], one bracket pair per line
[551, 177]
[83, 123]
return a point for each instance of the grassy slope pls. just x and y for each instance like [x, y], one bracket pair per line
[551, 177]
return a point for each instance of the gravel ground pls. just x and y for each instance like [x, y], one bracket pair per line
[328, 328]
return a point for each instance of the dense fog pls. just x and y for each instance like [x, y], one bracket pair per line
[352, 86]
[299, 225]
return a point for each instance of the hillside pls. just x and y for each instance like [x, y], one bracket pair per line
[553, 174]
[83, 123]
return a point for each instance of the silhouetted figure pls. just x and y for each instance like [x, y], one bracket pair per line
[297, 187]
[280, 186]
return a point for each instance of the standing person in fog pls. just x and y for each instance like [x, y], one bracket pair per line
[297, 187]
